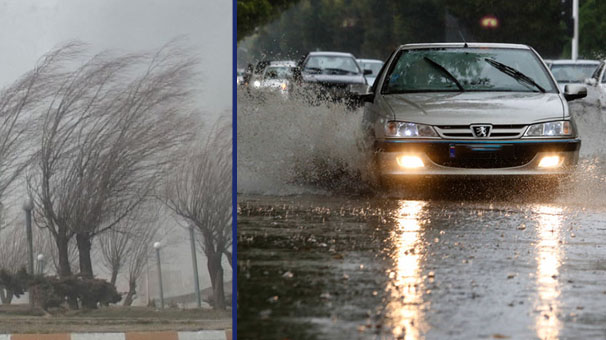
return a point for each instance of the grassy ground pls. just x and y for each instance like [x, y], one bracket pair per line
[19, 319]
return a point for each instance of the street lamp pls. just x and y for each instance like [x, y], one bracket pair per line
[28, 206]
[157, 246]
[194, 260]
[40, 264]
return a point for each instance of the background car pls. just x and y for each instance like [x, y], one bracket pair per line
[332, 76]
[470, 110]
[596, 85]
[572, 71]
[276, 77]
[374, 65]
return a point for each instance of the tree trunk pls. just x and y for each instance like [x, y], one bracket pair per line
[132, 290]
[84, 246]
[114, 277]
[215, 269]
[228, 255]
[62, 242]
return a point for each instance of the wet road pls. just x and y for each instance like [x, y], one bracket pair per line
[324, 255]
[383, 266]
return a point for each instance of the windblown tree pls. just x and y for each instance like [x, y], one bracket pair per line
[128, 246]
[18, 103]
[111, 129]
[200, 194]
[140, 250]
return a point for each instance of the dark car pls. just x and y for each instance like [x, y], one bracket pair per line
[332, 76]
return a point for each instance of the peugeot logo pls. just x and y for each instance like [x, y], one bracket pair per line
[481, 130]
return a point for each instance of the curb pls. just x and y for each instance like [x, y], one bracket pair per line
[200, 335]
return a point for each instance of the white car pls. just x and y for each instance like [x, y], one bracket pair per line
[276, 77]
[597, 83]
[476, 109]
[572, 71]
[372, 65]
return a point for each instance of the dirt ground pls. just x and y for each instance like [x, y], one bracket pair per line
[19, 319]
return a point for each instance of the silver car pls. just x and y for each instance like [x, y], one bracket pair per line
[470, 109]
[275, 78]
[372, 65]
[572, 71]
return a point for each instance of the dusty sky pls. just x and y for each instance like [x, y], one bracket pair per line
[29, 28]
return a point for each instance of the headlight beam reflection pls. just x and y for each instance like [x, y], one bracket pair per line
[404, 308]
[548, 257]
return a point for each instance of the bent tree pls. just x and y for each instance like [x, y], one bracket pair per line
[199, 192]
[111, 127]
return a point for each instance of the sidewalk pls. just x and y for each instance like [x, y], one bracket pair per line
[199, 335]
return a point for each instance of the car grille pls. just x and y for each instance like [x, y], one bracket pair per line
[497, 131]
[479, 156]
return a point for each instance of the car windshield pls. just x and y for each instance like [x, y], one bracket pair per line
[338, 65]
[374, 67]
[572, 73]
[277, 72]
[467, 69]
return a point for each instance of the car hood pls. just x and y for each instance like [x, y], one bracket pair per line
[273, 82]
[463, 108]
[334, 79]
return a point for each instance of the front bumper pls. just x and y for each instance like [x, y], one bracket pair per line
[477, 157]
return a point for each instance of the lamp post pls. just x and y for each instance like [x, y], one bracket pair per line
[157, 246]
[194, 261]
[28, 206]
[40, 264]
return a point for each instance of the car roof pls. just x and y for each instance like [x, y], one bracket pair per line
[334, 54]
[370, 61]
[282, 63]
[575, 62]
[462, 44]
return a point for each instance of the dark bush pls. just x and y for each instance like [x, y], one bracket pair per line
[13, 284]
[49, 292]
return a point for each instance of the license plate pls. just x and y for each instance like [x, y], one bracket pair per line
[480, 151]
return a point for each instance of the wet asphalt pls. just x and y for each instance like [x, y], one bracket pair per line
[466, 263]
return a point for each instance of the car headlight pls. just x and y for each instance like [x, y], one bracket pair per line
[412, 130]
[555, 129]
[257, 83]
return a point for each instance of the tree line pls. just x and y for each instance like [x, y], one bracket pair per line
[374, 28]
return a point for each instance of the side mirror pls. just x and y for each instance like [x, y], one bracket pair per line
[362, 93]
[367, 97]
[367, 72]
[591, 81]
[572, 92]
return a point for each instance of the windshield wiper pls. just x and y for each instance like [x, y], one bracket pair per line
[315, 69]
[512, 72]
[340, 70]
[445, 72]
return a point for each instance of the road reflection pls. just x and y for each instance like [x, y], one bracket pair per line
[405, 308]
[548, 257]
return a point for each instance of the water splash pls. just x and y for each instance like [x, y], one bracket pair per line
[291, 147]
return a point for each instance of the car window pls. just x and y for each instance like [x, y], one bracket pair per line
[600, 71]
[374, 67]
[281, 72]
[331, 65]
[572, 73]
[474, 69]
